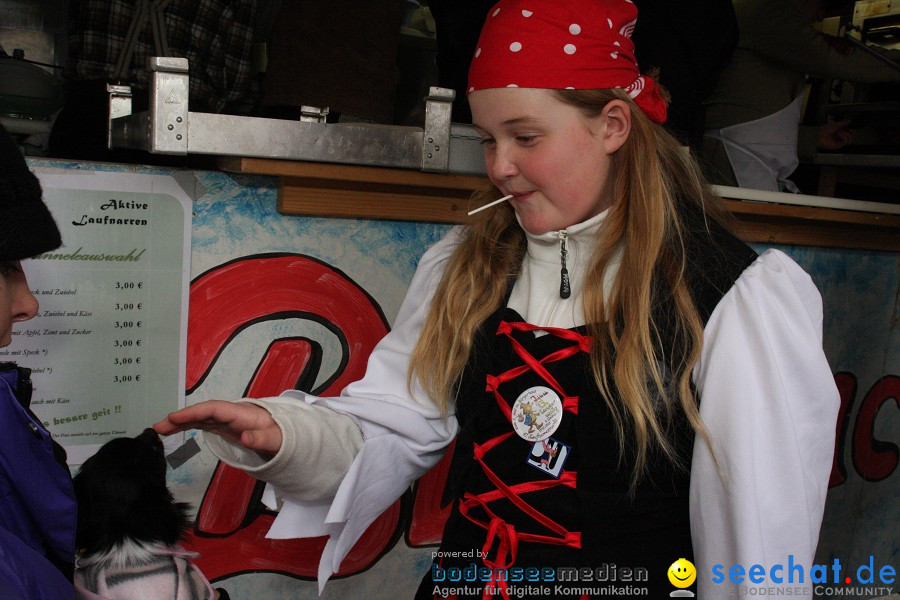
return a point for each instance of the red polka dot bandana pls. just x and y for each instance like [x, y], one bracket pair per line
[563, 44]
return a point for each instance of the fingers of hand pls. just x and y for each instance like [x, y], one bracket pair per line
[217, 416]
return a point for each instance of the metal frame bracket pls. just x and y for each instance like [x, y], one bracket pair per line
[169, 128]
[169, 89]
[436, 143]
[119, 105]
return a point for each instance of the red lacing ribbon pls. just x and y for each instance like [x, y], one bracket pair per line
[501, 536]
[505, 535]
[504, 540]
[582, 344]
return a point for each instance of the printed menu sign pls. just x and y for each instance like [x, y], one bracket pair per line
[107, 346]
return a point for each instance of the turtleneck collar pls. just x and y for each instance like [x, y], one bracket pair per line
[544, 247]
[548, 290]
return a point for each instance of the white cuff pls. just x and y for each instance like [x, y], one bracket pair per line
[318, 447]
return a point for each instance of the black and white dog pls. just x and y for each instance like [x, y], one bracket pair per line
[129, 526]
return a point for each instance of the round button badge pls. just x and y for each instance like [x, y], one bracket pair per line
[536, 413]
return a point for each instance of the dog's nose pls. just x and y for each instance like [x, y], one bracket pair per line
[149, 436]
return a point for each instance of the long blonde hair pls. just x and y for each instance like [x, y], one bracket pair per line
[652, 176]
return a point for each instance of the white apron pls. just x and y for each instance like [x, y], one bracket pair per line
[763, 152]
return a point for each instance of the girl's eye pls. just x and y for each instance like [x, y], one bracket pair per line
[526, 139]
[489, 142]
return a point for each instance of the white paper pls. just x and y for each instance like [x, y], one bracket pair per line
[107, 347]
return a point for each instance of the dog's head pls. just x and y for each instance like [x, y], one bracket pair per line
[123, 498]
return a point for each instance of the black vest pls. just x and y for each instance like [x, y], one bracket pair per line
[622, 538]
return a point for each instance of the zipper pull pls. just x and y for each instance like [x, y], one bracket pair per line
[565, 289]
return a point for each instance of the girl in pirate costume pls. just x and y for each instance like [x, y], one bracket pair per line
[627, 383]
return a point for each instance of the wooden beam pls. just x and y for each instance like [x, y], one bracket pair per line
[353, 191]
[807, 226]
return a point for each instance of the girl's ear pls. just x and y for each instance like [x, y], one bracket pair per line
[616, 117]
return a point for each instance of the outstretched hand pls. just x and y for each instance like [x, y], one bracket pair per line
[240, 423]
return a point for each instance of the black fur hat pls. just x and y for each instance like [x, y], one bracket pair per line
[26, 226]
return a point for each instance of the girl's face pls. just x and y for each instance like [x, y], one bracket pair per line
[16, 301]
[551, 156]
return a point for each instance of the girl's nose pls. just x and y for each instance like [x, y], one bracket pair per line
[502, 165]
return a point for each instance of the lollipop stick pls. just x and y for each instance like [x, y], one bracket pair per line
[490, 204]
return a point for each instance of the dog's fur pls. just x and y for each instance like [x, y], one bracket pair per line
[125, 508]
[128, 522]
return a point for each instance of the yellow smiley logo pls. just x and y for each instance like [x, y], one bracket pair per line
[682, 573]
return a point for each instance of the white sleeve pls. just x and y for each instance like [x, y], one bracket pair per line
[770, 403]
[403, 435]
[318, 447]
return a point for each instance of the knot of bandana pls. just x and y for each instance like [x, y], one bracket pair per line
[563, 44]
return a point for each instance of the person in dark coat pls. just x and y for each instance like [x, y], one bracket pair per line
[37, 502]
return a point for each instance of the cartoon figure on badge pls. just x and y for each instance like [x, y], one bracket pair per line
[550, 452]
[528, 417]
